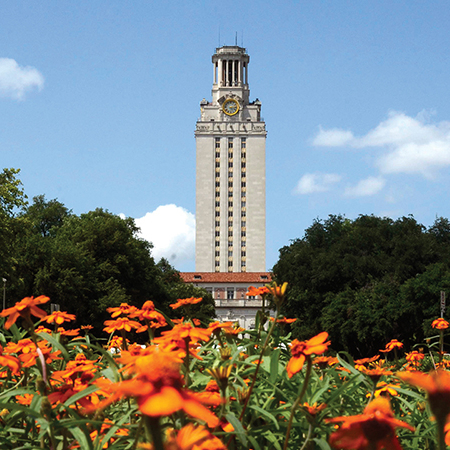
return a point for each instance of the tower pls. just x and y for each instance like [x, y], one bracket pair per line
[230, 179]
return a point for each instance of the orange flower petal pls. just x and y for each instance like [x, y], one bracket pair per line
[163, 403]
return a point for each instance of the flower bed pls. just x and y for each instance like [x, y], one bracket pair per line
[210, 386]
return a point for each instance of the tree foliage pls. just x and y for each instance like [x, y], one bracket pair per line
[84, 263]
[366, 281]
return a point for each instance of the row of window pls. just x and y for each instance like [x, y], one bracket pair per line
[230, 203]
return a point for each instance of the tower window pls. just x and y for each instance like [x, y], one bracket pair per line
[218, 242]
[217, 233]
[243, 142]
[217, 142]
[230, 143]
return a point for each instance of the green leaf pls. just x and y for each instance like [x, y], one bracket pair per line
[322, 443]
[265, 413]
[78, 395]
[56, 344]
[274, 365]
[82, 437]
[240, 432]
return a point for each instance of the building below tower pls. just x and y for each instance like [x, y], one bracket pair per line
[228, 291]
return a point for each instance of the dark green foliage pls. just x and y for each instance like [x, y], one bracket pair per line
[12, 201]
[366, 281]
[84, 263]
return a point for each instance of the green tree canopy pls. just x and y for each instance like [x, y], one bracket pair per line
[354, 279]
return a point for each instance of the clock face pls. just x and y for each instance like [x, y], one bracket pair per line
[230, 107]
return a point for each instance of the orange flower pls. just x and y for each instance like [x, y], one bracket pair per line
[437, 384]
[24, 399]
[440, 324]
[226, 326]
[302, 350]
[374, 429]
[392, 345]
[314, 409]
[64, 332]
[123, 309]
[24, 308]
[122, 323]
[191, 437]
[283, 320]
[183, 336]
[10, 362]
[42, 329]
[359, 363]
[254, 291]
[153, 318]
[278, 292]
[324, 361]
[59, 317]
[186, 301]
[158, 388]
[211, 395]
[384, 388]
[414, 358]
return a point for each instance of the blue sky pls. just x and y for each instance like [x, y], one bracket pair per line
[98, 104]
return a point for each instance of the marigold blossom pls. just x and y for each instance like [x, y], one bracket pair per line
[59, 317]
[257, 291]
[158, 388]
[124, 309]
[122, 323]
[437, 385]
[186, 302]
[394, 344]
[440, 324]
[301, 350]
[414, 358]
[24, 308]
[374, 429]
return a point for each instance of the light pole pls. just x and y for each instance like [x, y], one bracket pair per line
[4, 293]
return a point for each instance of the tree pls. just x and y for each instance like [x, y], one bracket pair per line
[88, 263]
[351, 278]
[12, 201]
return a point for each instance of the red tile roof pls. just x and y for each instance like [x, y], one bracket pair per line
[226, 277]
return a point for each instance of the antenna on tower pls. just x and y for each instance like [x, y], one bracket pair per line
[235, 40]
[242, 38]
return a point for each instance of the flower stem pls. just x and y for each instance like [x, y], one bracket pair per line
[153, 426]
[266, 342]
[299, 399]
[440, 433]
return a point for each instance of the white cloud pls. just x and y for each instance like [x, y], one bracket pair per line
[334, 137]
[171, 230]
[15, 80]
[364, 188]
[411, 144]
[316, 182]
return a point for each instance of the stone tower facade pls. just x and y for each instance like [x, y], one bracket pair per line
[230, 180]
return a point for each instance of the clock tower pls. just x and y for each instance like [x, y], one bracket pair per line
[230, 180]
